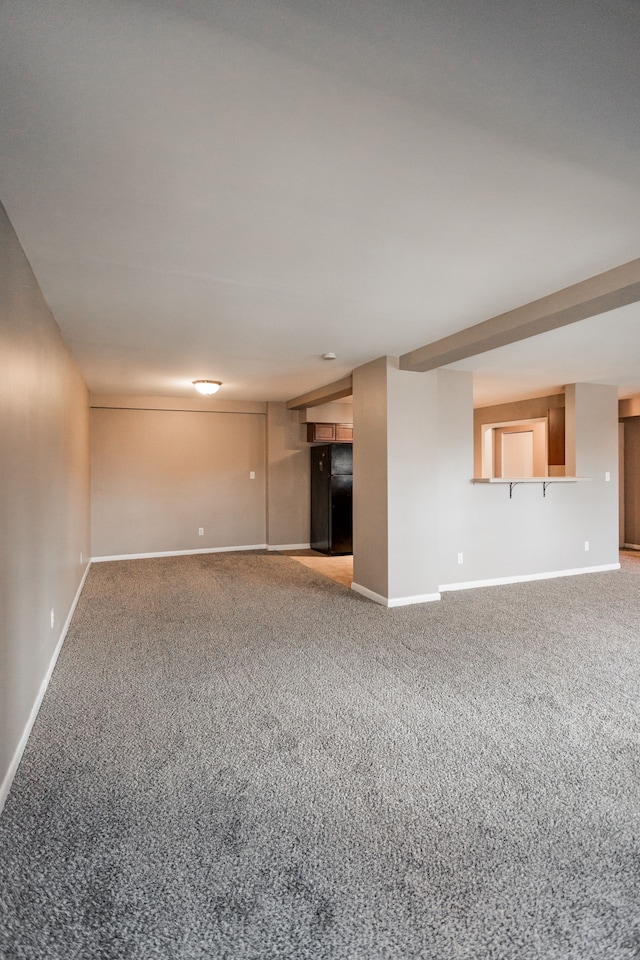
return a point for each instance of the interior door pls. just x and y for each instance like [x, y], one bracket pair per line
[517, 454]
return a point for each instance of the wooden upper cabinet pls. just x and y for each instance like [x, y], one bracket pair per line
[328, 432]
[344, 432]
[556, 437]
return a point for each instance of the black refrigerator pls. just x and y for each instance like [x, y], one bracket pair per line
[331, 488]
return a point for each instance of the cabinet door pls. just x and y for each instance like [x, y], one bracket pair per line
[324, 431]
[344, 432]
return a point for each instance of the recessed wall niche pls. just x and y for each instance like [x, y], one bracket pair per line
[529, 443]
[516, 448]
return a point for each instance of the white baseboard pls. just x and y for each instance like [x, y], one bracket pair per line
[179, 553]
[5, 786]
[631, 546]
[289, 546]
[499, 581]
[394, 601]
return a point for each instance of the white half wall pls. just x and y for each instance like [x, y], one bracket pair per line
[422, 525]
[529, 535]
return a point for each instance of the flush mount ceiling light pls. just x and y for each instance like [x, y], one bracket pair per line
[207, 387]
[328, 356]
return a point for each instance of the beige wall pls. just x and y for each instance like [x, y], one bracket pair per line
[163, 468]
[339, 411]
[158, 475]
[288, 478]
[632, 481]
[44, 479]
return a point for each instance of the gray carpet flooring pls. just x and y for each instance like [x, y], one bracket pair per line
[238, 758]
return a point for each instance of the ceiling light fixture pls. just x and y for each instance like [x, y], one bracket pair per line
[207, 387]
[328, 356]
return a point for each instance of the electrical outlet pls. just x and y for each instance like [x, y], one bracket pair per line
[460, 558]
[53, 618]
[586, 544]
[252, 475]
[201, 531]
[607, 476]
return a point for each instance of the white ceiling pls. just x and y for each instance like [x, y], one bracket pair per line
[229, 189]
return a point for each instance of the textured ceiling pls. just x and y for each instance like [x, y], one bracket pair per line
[229, 189]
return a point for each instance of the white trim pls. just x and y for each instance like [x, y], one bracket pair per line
[631, 546]
[418, 598]
[289, 546]
[5, 786]
[562, 479]
[179, 553]
[394, 601]
[498, 581]
[369, 594]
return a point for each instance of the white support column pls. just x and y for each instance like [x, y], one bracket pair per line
[395, 471]
[592, 451]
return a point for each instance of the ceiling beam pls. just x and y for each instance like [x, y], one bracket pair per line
[629, 407]
[599, 294]
[332, 391]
